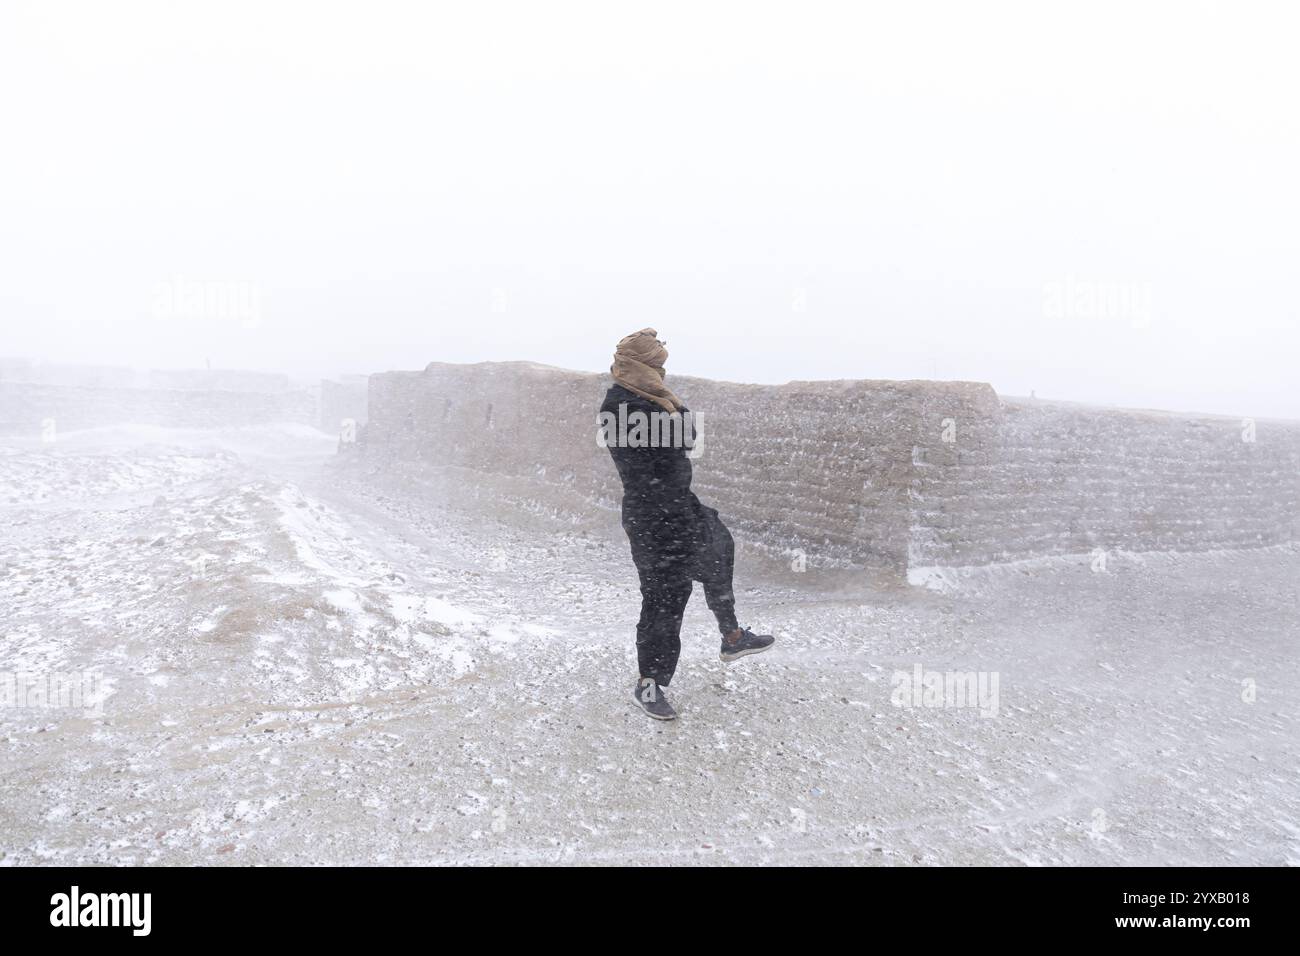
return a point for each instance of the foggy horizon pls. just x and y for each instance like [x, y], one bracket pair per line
[1004, 196]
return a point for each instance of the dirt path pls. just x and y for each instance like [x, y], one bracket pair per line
[302, 668]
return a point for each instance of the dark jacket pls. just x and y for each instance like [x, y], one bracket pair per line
[663, 518]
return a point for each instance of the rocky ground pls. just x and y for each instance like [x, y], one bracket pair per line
[296, 662]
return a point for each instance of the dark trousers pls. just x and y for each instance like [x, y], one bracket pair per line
[666, 582]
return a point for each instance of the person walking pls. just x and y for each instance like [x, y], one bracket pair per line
[675, 539]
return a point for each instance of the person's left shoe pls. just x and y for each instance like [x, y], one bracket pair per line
[651, 697]
[744, 642]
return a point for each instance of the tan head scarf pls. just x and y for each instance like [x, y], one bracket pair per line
[639, 367]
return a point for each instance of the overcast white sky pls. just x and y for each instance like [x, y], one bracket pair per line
[1094, 201]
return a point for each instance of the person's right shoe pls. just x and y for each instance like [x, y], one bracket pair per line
[745, 643]
[652, 700]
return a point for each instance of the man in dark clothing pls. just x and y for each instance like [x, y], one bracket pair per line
[676, 540]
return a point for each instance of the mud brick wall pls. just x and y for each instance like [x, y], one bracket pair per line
[23, 407]
[827, 468]
[822, 467]
[877, 473]
[1054, 478]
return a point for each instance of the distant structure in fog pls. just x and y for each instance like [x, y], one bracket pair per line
[343, 400]
[219, 379]
[44, 373]
[75, 397]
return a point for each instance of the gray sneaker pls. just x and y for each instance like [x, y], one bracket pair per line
[652, 700]
[748, 643]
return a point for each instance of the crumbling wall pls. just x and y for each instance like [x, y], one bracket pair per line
[1057, 478]
[825, 468]
[876, 473]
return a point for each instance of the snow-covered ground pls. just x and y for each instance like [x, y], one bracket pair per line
[296, 662]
